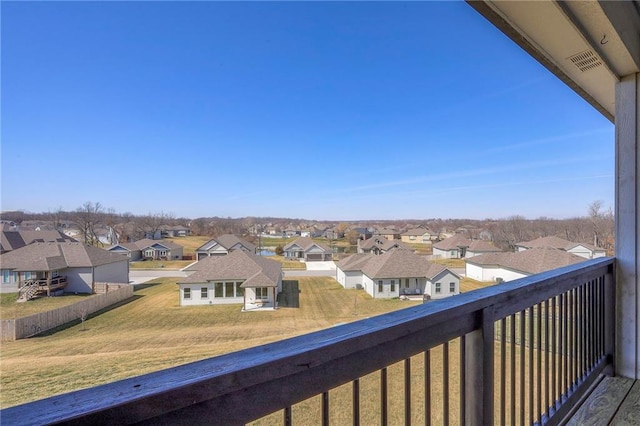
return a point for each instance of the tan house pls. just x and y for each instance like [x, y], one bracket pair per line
[419, 235]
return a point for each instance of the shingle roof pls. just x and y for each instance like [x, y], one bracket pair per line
[147, 242]
[393, 264]
[532, 261]
[229, 240]
[55, 255]
[418, 232]
[11, 240]
[382, 243]
[305, 243]
[555, 242]
[255, 271]
[452, 243]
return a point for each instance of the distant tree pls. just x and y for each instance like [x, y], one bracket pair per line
[352, 237]
[279, 250]
[87, 218]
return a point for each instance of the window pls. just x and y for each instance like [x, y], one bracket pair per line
[380, 286]
[219, 289]
[187, 293]
[228, 289]
[438, 287]
[452, 287]
[406, 283]
[239, 290]
[204, 293]
[393, 285]
[453, 252]
[262, 293]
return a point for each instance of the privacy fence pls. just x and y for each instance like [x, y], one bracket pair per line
[21, 328]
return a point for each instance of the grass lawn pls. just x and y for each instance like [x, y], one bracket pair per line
[289, 264]
[9, 308]
[153, 332]
[190, 243]
[451, 263]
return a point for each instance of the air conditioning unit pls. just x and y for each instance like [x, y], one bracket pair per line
[499, 280]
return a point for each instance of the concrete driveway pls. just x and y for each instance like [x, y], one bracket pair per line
[321, 266]
[139, 276]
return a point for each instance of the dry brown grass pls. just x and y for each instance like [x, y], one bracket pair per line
[153, 332]
[9, 308]
[191, 243]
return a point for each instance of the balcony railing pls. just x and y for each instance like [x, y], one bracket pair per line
[514, 353]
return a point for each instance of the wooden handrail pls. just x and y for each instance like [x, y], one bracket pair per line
[242, 386]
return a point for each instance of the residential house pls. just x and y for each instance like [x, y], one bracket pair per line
[333, 233]
[388, 233]
[239, 277]
[419, 235]
[397, 273]
[380, 245]
[12, 240]
[363, 233]
[580, 249]
[307, 250]
[510, 266]
[223, 245]
[149, 249]
[69, 266]
[460, 247]
[174, 231]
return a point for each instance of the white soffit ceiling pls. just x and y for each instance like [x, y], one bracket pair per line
[550, 31]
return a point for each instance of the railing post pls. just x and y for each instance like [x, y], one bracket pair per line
[610, 320]
[479, 350]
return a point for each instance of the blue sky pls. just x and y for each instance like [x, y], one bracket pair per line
[316, 110]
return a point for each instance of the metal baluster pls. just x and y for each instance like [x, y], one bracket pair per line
[383, 397]
[356, 402]
[407, 391]
[427, 388]
[445, 383]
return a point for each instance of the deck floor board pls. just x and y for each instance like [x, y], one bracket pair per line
[629, 412]
[604, 403]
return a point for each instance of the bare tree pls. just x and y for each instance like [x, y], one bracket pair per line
[152, 223]
[87, 219]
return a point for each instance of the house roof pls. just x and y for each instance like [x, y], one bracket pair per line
[555, 242]
[50, 256]
[227, 241]
[382, 243]
[418, 231]
[147, 242]
[452, 243]
[532, 261]
[393, 264]
[255, 271]
[305, 243]
[482, 246]
[12, 240]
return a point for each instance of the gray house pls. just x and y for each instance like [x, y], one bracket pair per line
[307, 250]
[68, 266]
[223, 245]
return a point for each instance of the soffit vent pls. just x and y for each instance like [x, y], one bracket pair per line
[586, 60]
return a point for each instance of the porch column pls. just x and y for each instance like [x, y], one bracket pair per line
[627, 226]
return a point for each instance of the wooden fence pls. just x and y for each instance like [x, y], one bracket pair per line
[21, 328]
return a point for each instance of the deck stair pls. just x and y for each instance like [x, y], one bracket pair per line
[28, 291]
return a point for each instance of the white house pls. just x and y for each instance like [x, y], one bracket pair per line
[397, 273]
[579, 249]
[149, 249]
[239, 277]
[510, 266]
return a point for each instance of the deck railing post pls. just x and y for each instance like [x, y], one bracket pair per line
[479, 350]
[610, 320]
